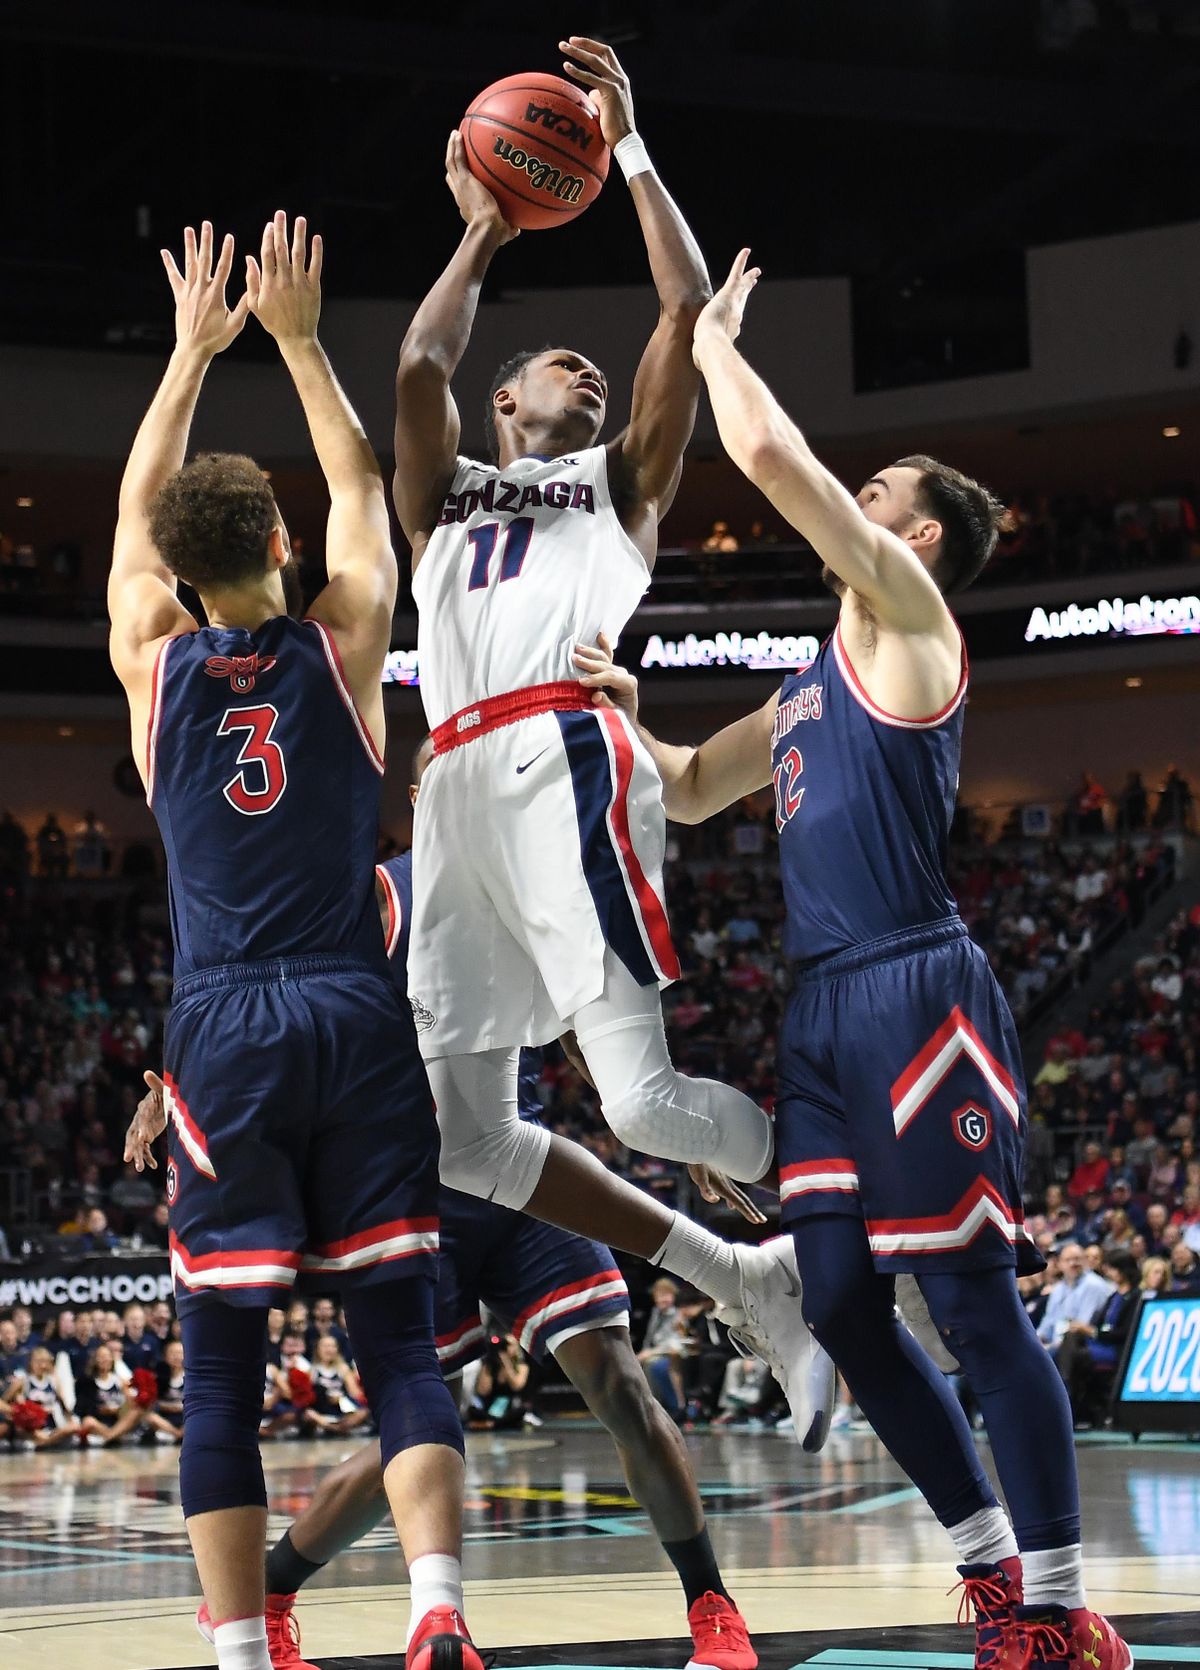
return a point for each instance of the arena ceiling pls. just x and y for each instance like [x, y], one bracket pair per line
[889, 139]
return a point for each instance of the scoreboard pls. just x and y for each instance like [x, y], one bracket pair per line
[1158, 1380]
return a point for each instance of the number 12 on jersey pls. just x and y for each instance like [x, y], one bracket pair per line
[517, 536]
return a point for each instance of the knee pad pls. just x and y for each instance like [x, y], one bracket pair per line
[503, 1164]
[219, 1462]
[391, 1324]
[487, 1149]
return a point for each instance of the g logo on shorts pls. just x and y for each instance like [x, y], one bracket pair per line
[172, 1182]
[973, 1127]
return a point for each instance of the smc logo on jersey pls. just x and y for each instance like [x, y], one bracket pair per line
[242, 671]
[498, 496]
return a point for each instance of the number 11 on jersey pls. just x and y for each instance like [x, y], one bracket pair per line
[482, 540]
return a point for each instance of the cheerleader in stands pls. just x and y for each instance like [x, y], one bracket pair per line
[339, 1406]
[108, 1403]
[37, 1408]
[165, 1420]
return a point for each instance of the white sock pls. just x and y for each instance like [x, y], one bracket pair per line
[696, 1255]
[435, 1580]
[1054, 1576]
[985, 1539]
[242, 1644]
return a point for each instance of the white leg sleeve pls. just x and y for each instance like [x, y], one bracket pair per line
[647, 1103]
[487, 1149]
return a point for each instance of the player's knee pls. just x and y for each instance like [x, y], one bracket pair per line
[391, 1324]
[979, 1314]
[501, 1164]
[616, 1391]
[219, 1463]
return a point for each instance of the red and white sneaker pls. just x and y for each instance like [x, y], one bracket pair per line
[990, 1596]
[720, 1639]
[283, 1632]
[441, 1642]
[1054, 1639]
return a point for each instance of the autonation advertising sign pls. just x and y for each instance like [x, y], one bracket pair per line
[760, 653]
[1111, 617]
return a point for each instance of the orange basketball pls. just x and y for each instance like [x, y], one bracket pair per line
[535, 142]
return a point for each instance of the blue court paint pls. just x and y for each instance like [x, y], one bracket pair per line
[75, 1550]
[873, 1658]
[889, 1499]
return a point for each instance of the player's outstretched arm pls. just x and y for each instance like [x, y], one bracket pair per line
[284, 291]
[142, 604]
[648, 459]
[700, 781]
[427, 422]
[769, 449]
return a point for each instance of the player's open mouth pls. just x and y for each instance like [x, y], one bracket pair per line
[589, 385]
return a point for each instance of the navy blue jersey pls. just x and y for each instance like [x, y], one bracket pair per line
[863, 803]
[395, 877]
[265, 784]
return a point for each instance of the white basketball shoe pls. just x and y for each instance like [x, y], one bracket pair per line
[769, 1325]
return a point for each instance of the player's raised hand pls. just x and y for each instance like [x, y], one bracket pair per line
[612, 685]
[146, 1126]
[599, 68]
[284, 286]
[203, 320]
[723, 314]
[475, 201]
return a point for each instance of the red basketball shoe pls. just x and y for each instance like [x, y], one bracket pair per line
[283, 1632]
[720, 1639]
[1054, 1639]
[441, 1642]
[990, 1595]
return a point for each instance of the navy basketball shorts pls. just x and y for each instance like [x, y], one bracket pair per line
[540, 1283]
[902, 1101]
[301, 1132]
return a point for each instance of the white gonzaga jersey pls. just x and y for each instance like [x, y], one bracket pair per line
[525, 563]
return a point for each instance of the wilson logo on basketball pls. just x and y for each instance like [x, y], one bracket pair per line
[556, 121]
[543, 176]
[242, 671]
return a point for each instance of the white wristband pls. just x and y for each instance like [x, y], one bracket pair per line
[632, 156]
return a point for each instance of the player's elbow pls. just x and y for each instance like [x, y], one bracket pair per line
[422, 361]
[682, 307]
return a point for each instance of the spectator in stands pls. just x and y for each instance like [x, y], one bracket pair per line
[1156, 1277]
[1092, 881]
[156, 1229]
[1133, 804]
[139, 1347]
[53, 852]
[1085, 809]
[1156, 1224]
[1076, 1298]
[1174, 809]
[1090, 1348]
[14, 850]
[1187, 1216]
[720, 539]
[134, 1196]
[79, 1343]
[280, 1411]
[14, 1358]
[1091, 1174]
[1141, 1151]
[98, 1237]
[1185, 1270]
[93, 855]
[324, 1325]
[662, 1346]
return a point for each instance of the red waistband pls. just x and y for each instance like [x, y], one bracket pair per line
[497, 711]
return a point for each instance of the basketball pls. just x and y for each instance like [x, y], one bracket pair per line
[535, 142]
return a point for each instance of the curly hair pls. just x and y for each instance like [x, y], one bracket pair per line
[212, 520]
[511, 371]
[970, 516]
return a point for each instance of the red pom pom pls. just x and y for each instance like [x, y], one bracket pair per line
[144, 1387]
[300, 1388]
[29, 1417]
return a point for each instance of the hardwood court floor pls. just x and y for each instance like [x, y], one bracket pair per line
[834, 1559]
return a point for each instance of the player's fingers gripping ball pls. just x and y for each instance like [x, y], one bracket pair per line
[535, 141]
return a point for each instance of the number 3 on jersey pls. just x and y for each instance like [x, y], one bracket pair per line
[262, 776]
[788, 790]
